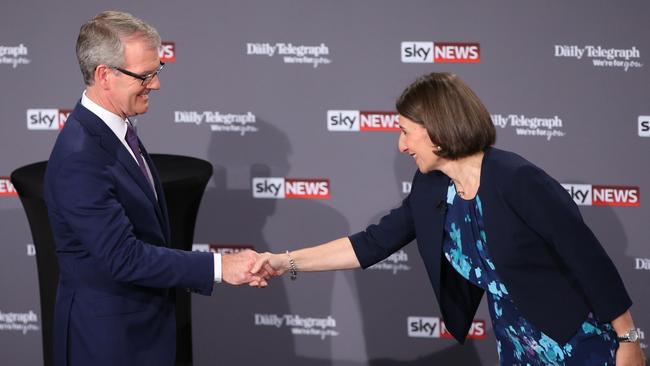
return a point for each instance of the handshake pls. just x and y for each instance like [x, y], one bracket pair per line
[253, 268]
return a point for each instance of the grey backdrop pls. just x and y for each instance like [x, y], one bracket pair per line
[353, 317]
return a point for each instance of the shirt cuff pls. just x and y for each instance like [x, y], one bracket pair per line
[217, 267]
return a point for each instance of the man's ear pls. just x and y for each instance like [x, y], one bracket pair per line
[101, 76]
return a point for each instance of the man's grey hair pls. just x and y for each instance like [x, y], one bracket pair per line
[100, 40]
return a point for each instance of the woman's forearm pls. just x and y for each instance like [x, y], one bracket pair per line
[333, 255]
[623, 323]
[336, 254]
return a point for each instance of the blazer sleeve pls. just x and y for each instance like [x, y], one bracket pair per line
[543, 204]
[378, 241]
[83, 192]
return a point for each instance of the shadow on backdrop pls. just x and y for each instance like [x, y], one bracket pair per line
[225, 324]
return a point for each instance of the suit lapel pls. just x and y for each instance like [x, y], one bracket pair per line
[162, 203]
[114, 147]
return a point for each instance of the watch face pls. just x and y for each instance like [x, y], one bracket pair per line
[633, 335]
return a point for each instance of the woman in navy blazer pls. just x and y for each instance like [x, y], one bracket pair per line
[489, 221]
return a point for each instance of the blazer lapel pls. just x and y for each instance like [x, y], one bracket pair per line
[429, 204]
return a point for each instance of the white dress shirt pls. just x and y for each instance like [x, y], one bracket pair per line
[119, 125]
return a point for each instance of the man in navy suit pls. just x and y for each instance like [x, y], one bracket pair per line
[108, 214]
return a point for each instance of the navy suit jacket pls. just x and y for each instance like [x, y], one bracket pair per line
[113, 304]
[552, 264]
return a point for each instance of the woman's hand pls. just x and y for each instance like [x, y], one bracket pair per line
[272, 264]
[630, 354]
[333, 255]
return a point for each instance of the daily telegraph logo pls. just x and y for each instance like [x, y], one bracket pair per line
[14, 55]
[644, 126]
[355, 121]
[219, 122]
[441, 52]
[406, 187]
[221, 248]
[642, 264]
[299, 325]
[281, 188]
[624, 58]
[167, 51]
[545, 127]
[599, 195]
[6, 188]
[642, 342]
[22, 322]
[310, 55]
[397, 262]
[47, 119]
[433, 327]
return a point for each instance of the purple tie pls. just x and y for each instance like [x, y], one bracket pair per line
[132, 140]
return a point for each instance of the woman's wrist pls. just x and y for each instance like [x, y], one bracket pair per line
[292, 268]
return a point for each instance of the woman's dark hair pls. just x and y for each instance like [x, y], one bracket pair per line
[455, 118]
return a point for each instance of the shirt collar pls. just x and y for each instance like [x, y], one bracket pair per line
[116, 123]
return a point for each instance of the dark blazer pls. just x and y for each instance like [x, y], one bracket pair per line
[552, 264]
[113, 303]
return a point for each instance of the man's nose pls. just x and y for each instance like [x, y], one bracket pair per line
[154, 84]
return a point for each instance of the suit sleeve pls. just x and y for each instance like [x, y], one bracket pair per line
[543, 204]
[84, 194]
[379, 241]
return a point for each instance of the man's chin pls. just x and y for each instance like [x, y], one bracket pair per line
[141, 109]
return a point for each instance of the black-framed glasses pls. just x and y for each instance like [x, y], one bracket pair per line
[146, 79]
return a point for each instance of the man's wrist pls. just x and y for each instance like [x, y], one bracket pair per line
[217, 268]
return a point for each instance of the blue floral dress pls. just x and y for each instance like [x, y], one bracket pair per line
[518, 341]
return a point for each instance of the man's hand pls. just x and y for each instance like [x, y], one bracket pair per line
[236, 269]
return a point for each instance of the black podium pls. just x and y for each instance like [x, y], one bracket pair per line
[183, 179]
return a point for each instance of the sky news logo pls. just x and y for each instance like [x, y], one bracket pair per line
[6, 188]
[441, 52]
[47, 119]
[433, 327]
[352, 120]
[644, 126]
[598, 195]
[281, 188]
[222, 249]
[167, 51]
